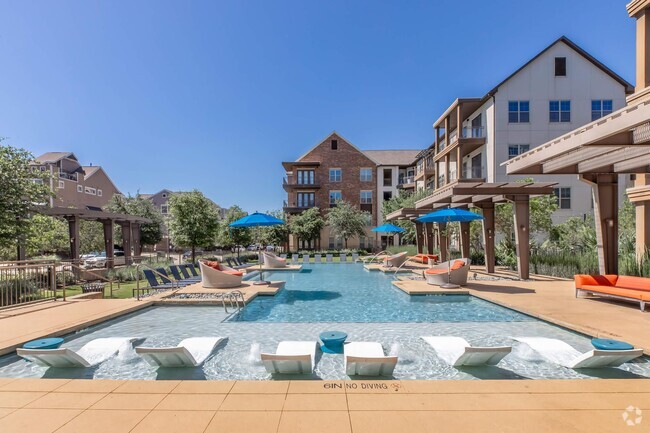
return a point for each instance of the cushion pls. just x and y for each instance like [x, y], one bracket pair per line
[616, 291]
[457, 264]
[213, 265]
[236, 273]
[435, 271]
[636, 283]
[594, 280]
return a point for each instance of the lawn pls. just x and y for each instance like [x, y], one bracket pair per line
[125, 290]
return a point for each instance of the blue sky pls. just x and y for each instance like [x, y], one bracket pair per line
[214, 95]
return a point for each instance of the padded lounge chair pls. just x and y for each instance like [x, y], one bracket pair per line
[396, 260]
[548, 347]
[192, 269]
[318, 258]
[344, 257]
[92, 353]
[186, 273]
[305, 258]
[283, 256]
[191, 352]
[294, 259]
[328, 258]
[222, 278]
[367, 359]
[273, 261]
[456, 272]
[182, 279]
[458, 352]
[154, 283]
[355, 257]
[291, 357]
[168, 280]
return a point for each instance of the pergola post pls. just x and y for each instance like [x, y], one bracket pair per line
[73, 230]
[136, 233]
[126, 241]
[464, 239]
[488, 236]
[522, 234]
[442, 240]
[419, 236]
[108, 242]
[430, 236]
[640, 196]
[604, 188]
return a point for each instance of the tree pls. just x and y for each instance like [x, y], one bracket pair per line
[47, 235]
[404, 200]
[150, 233]
[230, 236]
[21, 188]
[278, 234]
[307, 225]
[91, 237]
[347, 221]
[194, 220]
[541, 210]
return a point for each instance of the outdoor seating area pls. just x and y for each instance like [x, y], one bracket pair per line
[215, 275]
[634, 289]
[452, 271]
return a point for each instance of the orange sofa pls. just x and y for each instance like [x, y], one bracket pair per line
[635, 289]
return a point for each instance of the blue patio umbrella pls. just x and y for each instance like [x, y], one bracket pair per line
[448, 216]
[388, 228]
[257, 219]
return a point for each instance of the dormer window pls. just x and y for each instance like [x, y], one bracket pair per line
[335, 144]
[560, 66]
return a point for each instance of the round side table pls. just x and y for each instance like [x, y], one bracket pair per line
[44, 343]
[607, 344]
[333, 341]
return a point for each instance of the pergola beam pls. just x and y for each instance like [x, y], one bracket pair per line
[572, 159]
[604, 163]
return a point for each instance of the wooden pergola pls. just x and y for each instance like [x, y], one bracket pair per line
[130, 224]
[482, 195]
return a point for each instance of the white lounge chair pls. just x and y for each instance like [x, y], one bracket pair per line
[396, 260]
[222, 278]
[355, 257]
[559, 352]
[273, 261]
[92, 353]
[328, 258]
[448, 272]
[294, 258]
[291, 357]
[367, 359]
[191, 352]
[318, 258]
[344, 257]
[458, 352]
[283, 256]
[305, 258]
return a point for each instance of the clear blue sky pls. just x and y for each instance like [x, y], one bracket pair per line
[214, 95]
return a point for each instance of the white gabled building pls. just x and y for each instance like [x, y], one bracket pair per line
[558, 90]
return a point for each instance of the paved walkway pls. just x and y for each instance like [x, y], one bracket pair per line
[97, 406]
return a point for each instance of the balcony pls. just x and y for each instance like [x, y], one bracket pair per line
[471, 138]
[69, 176]
[366, 207]
[474, 173]
[294, 208]
[289, 184]
[406, 182]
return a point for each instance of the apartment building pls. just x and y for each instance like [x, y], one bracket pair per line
[73, 184]
[336, 170]
[558, 90]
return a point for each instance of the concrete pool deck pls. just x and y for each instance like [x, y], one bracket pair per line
[101, 406]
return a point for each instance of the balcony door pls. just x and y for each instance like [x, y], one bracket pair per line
[477, 172]
[305, 199]
[305, 177]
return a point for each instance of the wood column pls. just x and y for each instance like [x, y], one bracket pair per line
[488, 236]
[419, 236]
[108, 243]
[430, 236]
[126, 241]
[464, 239]
[604, 188]
[442, 240]
[136, 240]
[640, 196]
[522, 234]
[73, 230]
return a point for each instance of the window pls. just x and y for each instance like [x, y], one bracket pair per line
[559, 111]
[388, 195]
[517, 149]
[91, 191]
[560, 66]
[366, 175]
[99, 192]
[335, 144]
[563, 195]
[388, 177]
[335, 196]
[335, 174]
[305, 177]
[61, 184]
[164, 209]
[518, 111]
[305, 199]
[80, 188]
[600, 108]
[366, 197]
[164, 195]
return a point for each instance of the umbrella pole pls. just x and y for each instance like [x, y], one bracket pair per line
[449, 285]
[259, 260]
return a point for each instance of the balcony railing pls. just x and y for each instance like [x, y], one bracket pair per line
[300, 204]
[453, 175]
[441, 180]
[405, 180]
[473, 132]
[474, 173]
[69, 176]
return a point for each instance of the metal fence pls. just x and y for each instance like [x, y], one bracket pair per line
[28, 282]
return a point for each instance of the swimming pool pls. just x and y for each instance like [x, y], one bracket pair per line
[238, 357]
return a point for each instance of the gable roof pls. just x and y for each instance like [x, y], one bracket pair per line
[628, 87]
[52, 157]
[94, 169]
[393, 156]
[339, 136]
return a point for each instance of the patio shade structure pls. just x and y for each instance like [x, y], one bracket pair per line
[257, 219]
[446, 216]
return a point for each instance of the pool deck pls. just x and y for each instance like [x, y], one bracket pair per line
[248, 289]
[390, 269]
[100, 406]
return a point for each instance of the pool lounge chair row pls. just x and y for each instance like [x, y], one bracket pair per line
[318, 258]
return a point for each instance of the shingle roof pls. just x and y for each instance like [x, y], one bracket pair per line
[90, 169]
[51, 157]
[392, 157]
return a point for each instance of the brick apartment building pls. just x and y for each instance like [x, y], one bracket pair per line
[73, 184]
[335, 170]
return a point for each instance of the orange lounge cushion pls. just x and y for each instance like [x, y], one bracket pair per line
[435, 271]
[618, 291]
[235, 273]
[213, 265]
[595, 280]
[457, 264]
[424, 258]
[636, 283]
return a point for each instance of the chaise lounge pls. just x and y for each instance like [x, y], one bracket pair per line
[273, 261]
[291, 357]
[191, 352]
[214, 275]
[367, 359]
[458, 352]
[396, 260]
[634, 289]
[454, 272]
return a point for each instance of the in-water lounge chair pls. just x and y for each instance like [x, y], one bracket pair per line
[355, 257]
[191, 352]
[367, 359]
[344, 257]
[559, 352]
[294, 258]
[305, 258]
[454, 272]
[328, 258]
[214, 275]
[458, 352]
[291, 357]
[273, 261]
[396, 260]
[92, 353]
[318, 258]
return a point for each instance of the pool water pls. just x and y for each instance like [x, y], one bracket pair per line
[349, 293]
[332, 298]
